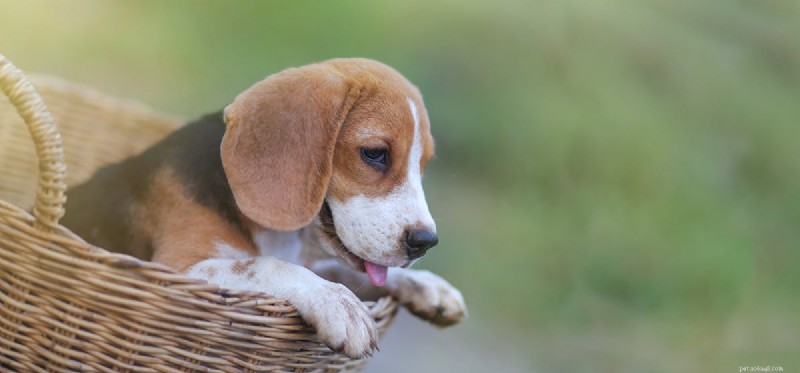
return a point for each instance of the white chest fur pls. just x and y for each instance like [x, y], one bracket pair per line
[286, 246]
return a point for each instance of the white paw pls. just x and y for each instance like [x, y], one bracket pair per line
[428, 296]
[342, 321]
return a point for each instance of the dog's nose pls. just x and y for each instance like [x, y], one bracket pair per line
[419, 241]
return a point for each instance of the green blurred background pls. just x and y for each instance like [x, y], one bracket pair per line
[617, 182]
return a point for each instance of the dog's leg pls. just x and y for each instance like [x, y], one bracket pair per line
[425, 294]
[340, 318]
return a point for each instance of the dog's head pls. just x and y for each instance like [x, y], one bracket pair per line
[343, 140]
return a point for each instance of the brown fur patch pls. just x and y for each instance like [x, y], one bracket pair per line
[210, 272]
[241, 266]
[184, 232]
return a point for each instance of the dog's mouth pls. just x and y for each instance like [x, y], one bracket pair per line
[377, 273]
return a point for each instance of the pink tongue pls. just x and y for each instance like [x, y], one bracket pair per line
[376, 273]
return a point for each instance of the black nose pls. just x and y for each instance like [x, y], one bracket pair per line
[419, 241]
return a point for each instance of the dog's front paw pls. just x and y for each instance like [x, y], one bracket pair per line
[428, 296]
[342, 321]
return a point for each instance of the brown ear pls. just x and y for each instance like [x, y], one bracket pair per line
[277, 151]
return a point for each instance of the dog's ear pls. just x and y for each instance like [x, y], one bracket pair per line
[280, 135]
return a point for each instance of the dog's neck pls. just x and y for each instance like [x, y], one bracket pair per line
[301, 247]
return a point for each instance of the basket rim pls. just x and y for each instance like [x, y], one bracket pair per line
[24, 222]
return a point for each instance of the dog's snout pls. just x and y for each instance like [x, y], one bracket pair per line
[419, 241]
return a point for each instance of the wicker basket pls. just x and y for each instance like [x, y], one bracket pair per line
[68, 306]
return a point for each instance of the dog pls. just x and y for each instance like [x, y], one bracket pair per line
[306, 187]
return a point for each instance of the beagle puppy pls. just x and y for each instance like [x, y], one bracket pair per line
[309, 181]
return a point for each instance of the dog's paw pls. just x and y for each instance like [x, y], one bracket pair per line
[428, 296]
[342, 321]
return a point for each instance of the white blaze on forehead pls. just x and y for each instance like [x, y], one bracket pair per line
[414, 177]
[374, 228]
[415, 155]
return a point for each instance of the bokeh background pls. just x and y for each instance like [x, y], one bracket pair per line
[617, 185]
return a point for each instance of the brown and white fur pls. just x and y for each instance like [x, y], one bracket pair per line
[277, 195]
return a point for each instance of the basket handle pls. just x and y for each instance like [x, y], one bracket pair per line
[51, 193]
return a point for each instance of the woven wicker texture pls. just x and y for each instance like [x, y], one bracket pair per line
[68, 306]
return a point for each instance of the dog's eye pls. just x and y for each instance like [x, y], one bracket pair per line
[378, 158]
